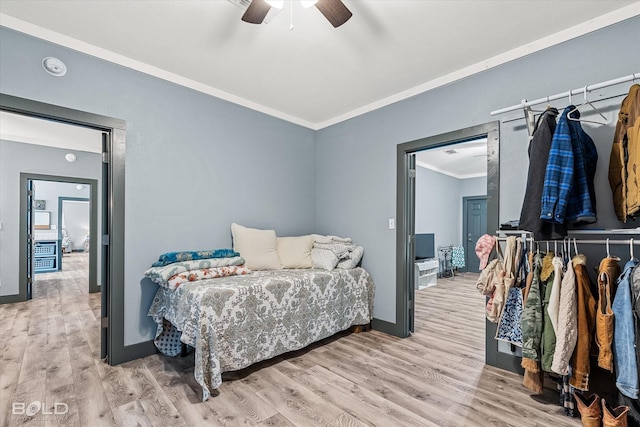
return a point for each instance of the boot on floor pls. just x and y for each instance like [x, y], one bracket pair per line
[589, 408]
[614, 417]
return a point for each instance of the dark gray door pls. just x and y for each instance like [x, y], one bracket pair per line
[30, 260]
[105, 340]
[474, 226]
[411, 229]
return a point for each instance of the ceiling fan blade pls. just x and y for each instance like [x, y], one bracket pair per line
[256, 12]
[335, 11]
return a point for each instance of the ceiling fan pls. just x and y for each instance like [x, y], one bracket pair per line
[334, 10]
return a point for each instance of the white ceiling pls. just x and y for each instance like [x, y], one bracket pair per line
[314, 75]
[461, 161]
[19, 128]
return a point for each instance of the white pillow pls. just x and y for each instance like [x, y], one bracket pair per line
[258, 247]
[295, 252]
[324, 258]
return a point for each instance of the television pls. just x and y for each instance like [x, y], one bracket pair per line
[425, 246]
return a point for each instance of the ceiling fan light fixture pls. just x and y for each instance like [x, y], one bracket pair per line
[308, 3]
[278, 4]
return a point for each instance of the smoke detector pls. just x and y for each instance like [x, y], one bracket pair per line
[54, 66]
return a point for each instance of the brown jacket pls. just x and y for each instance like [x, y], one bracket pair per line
[624, 174]
[608, 273]
[586, 308]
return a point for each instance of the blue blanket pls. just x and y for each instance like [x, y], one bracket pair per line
[172, 257]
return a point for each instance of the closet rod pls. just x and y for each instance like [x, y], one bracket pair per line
[588, 242]
[578, 91]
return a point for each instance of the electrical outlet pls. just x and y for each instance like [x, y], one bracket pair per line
[392, 223]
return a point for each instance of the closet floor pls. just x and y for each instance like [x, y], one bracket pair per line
[437, 377]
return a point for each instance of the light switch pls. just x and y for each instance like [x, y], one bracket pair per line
[392, 223]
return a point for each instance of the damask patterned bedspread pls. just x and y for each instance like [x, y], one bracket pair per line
[233, 322]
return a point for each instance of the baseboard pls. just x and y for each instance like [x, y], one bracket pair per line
[386, 327]
[9, 299]
[133, 352]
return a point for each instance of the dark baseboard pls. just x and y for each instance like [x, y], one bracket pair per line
[386, 327]
[133, 352]
[9, 299]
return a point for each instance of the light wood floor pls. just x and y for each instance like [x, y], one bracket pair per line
[437, 377]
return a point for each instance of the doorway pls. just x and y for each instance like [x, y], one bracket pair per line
[112, 213]
[68, 240]
[405, 210]
[474, 225]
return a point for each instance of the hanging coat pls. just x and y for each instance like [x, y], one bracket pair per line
[586, 317]
[625, 157]
[532, 318]
[567, 333]
[624, 347]
[548, 344]
[568, 193]
[608, 273]
[539, 147]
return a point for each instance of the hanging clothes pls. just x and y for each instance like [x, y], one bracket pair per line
[624, 344]
[509, 328]
[567, 333]
[548, 344]
[634, 404]
[586, 316]
[531, 324]
[553, 309]
[539, 147]
[625, 158]
[635, 306]
[567, 399]
[568, 194]
[608, 273]
[494, 309]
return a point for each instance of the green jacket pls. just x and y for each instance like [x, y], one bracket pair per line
[531, 320]
[548, 345]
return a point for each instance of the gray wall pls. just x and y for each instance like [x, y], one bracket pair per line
[473, 186]
[362, 150]
[15, 158]
[439, 204]
[194, 163]
[76, 217]
[50, 191]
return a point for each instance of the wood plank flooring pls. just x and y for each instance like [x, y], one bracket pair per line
[437, 377]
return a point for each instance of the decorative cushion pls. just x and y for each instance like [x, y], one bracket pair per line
[295, 252]
[258, 247]
[324, 258]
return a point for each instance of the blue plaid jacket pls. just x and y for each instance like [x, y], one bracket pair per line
[568, 194]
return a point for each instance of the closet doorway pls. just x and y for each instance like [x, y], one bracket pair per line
[407, 222]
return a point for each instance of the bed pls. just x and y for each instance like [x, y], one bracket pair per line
[243, 318]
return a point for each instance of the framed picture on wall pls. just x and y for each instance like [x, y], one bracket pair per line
[40, 205]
